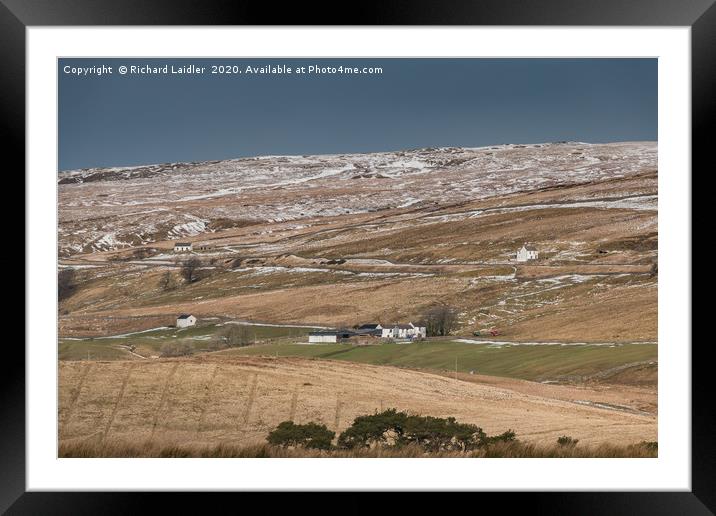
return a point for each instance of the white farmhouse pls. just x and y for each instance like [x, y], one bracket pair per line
[527, 252]
[404, 331]
[420, 332]
[182, 247]
[185, 320]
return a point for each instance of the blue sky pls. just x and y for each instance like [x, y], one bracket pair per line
[123, 120]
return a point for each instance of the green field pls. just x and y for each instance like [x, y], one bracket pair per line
[530, 362]
[85, 349]
[150, 342]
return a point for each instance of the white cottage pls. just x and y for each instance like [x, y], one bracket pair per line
[404, 331]
[182, 247]
[527, 252]
[185, 320]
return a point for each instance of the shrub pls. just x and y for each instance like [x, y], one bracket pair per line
[393, 428]
[566, 440]
[504, 437]
[379, 428]
[440, 434]
[310, 435]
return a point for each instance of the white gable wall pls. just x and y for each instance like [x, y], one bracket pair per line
[184, 323]
[322, 338]
[404, 333]
[524, 254]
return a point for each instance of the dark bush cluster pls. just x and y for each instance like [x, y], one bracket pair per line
[566, 440]
[379, 429]
[310, 435]
[391, 429]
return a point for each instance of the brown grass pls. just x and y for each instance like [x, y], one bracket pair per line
[619, 309]
[118, 448]
[458, 250]
[242, 401]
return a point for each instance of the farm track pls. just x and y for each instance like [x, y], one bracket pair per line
[207, 398]
[294, 403]
[163, 399]
[251, 399]
[75, 395]
[120, 397]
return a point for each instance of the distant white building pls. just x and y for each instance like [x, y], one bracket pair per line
[182, 247]
[404, 331]
[323, 337]
[527, 252]
[185, 320]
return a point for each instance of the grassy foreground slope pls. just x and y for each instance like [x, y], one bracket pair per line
[236, 401]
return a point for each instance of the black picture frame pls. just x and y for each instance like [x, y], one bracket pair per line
[700, 15]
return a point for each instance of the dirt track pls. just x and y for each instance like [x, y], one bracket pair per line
[208, 400]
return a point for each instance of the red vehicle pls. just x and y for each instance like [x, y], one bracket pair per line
[494, 332]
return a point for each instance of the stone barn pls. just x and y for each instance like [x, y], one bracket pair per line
[185, 320]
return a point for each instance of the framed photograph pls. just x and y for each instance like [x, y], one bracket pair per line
[418, 250]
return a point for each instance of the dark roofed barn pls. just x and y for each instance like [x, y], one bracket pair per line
[185, 320]
[369, 329]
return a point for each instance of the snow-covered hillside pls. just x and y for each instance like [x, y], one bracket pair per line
[113, 208]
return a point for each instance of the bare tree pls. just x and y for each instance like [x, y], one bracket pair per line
[189, 269]
[66, 284]
[234, 335]
[167, 282]
[439, 320]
